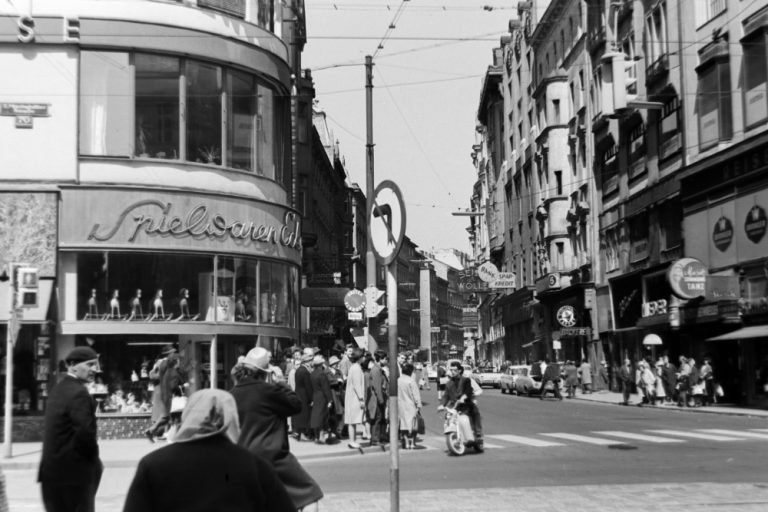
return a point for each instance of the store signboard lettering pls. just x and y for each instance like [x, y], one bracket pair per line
[199, 223]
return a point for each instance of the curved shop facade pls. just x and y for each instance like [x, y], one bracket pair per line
[146, 173]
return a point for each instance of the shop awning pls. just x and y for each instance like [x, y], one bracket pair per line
[752, 331]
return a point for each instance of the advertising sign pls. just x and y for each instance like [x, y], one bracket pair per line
[688, 278]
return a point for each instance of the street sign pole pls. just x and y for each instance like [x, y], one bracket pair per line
[10, 338]
[394, 420]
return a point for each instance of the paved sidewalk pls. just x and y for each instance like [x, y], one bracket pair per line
[611, 397]
[712, 497]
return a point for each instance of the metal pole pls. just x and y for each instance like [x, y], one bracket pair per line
[370, 259]
[8, 426]
[214, 359]
[394, 371]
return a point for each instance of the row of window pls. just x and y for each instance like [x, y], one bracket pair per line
[113, 286]
[155, 106]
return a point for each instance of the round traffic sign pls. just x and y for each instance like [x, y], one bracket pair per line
[354, 300]
[386, 221]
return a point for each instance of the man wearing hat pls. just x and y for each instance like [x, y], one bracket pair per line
[305, 390]
[336, 418]
[165, 377]
[70, 468]
[263, 408]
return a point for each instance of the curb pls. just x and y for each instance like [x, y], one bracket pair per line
[754, 413]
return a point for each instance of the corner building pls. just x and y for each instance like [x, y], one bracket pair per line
[147, 173]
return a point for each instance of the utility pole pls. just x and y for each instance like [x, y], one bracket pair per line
[370, 259]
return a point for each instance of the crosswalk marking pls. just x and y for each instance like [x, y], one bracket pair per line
[697, 435]
[638, 437]
[738, 433]
[583, 439]
[529, 441]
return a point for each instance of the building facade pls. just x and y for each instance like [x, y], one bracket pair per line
[148, 175]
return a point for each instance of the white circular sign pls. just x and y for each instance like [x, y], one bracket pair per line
[566, 316]
[487, 272]
[386, 221]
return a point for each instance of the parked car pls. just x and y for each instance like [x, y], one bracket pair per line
[508, 378]
[531, 384]
[488, 376]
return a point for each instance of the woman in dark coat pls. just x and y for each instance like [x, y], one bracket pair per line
[322, 400]
[168, 379]
[300, 420]
[204, 469]
[263, 408]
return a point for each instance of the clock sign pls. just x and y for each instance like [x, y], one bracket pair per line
[722, 236]
[566, 316]
[755, 225]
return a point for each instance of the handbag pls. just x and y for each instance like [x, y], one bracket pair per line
[178, 403]
[418, 425]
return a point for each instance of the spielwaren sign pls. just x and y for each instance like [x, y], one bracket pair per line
[165, 220]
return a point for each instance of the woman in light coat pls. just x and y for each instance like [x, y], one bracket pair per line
[354, 398]
[408, 405]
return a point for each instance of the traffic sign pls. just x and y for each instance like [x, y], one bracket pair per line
[386, 221]
[434, 329]
[354, 300]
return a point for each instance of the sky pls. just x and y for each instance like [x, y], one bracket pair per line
[427, 81]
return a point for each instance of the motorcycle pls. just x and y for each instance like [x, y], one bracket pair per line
[458, 432]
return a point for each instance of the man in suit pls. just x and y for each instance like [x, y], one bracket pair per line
[70, 468]
[626, 376]
[379, 389]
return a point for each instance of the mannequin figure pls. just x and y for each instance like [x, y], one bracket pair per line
[136, 312]
[158, 312]
[114, 306]
[93, 311]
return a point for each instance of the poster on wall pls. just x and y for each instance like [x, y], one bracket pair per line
[722, 237]
[752, 226]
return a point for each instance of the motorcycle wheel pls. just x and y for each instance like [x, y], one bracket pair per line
[455, 444]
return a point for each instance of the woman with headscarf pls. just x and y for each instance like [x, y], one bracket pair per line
[204, 469]
[263, 407]
[354, 398]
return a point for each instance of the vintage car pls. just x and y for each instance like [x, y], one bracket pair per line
[487, 376]
[510, 375]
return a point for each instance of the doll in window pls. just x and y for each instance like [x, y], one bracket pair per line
[241, 309]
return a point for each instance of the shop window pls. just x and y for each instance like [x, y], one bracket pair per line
[157, 106]
[203, 113]
[106, 106]
[273, 293]
[242, 121]
[755, 79]
[714, 97]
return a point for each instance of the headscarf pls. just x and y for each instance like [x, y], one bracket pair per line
[208, 412]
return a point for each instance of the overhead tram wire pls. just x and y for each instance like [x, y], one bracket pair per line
[391, 27]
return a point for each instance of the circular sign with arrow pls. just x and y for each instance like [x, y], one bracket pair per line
[386, 221]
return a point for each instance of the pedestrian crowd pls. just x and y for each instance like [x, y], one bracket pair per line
[661, 382]
[347, 398]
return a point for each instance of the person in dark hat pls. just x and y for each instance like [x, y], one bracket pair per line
[165, 377]
[70, 468]
[263, 408]
[304, 389]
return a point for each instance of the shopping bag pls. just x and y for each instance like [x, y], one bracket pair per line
[178, 403]
[418, 424]
[719, 390]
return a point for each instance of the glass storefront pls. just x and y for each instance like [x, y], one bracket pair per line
[129, 286]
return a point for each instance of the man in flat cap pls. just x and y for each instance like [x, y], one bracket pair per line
[70, 468]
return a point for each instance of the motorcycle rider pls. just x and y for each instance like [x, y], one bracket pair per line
[459, 391]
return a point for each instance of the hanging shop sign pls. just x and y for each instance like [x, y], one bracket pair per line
[487, 272]
[688, 278]
[654, 307]
[722, 235]
[566, 316]
[755, 224]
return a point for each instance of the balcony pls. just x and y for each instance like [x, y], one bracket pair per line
[231, 7]
[657, 70]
